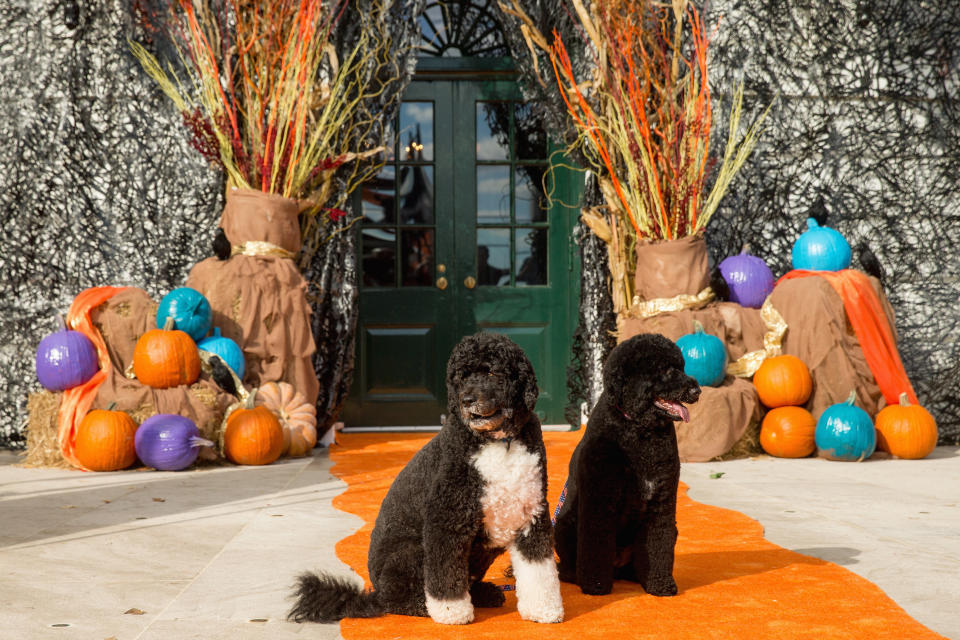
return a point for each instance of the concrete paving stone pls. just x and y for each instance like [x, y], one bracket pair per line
[893, 522]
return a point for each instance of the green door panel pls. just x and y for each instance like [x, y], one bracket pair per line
[499, 260]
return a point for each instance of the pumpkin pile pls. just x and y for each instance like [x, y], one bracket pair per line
[783, 384]
[170, 357]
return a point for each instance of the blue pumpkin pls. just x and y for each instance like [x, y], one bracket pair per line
[190, 311]
[704, 356]
[845, 432]
[821, 249]
[227, 349]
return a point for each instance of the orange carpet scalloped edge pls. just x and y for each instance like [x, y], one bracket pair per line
[733, 583]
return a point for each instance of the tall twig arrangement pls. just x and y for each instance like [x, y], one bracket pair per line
[263, 94]
[643, 120]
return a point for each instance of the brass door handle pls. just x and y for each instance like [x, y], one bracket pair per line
[470, 282]
[441, 283]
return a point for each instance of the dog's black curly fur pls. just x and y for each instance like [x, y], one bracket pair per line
[619, 518]
[429, 536]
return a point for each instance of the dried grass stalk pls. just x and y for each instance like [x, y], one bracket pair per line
[43, 445]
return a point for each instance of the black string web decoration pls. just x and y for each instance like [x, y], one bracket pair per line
[98, 185]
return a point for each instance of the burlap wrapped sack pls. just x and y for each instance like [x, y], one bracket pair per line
[820, 334]
[121, 321]
[741, 329]
[669, 268]
[723, 413]
[258, 296]
[718, 420]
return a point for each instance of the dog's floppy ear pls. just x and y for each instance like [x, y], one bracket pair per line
[529, 379]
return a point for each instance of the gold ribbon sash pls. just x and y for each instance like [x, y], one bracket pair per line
[259, 248]
[650, 308]
[748, 363]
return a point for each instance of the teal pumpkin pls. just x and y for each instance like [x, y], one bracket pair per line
[704, 356]
[227, 349]
[845, 432]
[821, 249]
[190, 311]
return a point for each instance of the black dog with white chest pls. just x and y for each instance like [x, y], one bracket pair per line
[477, 489]
[619, 518]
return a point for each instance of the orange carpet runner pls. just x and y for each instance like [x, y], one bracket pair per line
[733, 583]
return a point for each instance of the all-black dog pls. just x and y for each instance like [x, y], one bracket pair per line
[619, 518]
[476, 489]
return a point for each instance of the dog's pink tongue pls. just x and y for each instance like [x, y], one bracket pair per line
[682, 410]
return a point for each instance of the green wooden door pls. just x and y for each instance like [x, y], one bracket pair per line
[458, 237]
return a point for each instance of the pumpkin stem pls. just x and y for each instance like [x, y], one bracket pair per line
[216, 332]
[197, 441]
[851, 398]
[697, 327]
[61, 322]
[745, 248]
[904, 400]
[250, 402]
[113, 405]
[812, 223]
[168, 323]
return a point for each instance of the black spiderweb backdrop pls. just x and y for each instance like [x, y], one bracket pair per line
[867, 129]
[99, 186]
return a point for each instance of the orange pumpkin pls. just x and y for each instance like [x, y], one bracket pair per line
[783, 381]
[906, 430]
[788, 432]
[104, 440]
[297, 416]
[166, 358]
[253, 435]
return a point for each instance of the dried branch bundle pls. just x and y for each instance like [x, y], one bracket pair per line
[264, 95]
[643, 120]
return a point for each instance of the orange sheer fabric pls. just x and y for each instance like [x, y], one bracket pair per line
[870, 325]
[76, 401]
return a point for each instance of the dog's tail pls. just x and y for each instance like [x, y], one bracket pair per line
[325, 598]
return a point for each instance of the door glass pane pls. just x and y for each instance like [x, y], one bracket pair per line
[378, 197]
[529, 137]
[417, 248]
[493, 194]
[493, 142]
[531, 258]
[530, 203]
[415, 190]
[493, 257]
[416, 131]
[379, 257]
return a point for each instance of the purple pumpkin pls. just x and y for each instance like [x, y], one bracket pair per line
[65, 359]
[749, 279]
[168, 442]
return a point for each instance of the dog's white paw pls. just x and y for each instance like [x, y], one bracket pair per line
[538, 588]
[541, 607]
[453, 611]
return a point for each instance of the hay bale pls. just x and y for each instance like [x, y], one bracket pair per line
[747, 446]
[43, 447]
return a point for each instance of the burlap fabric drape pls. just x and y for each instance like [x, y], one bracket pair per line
[671, 268]
[258, 295]
[723, 414]
[820, 334]
[121, 321]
